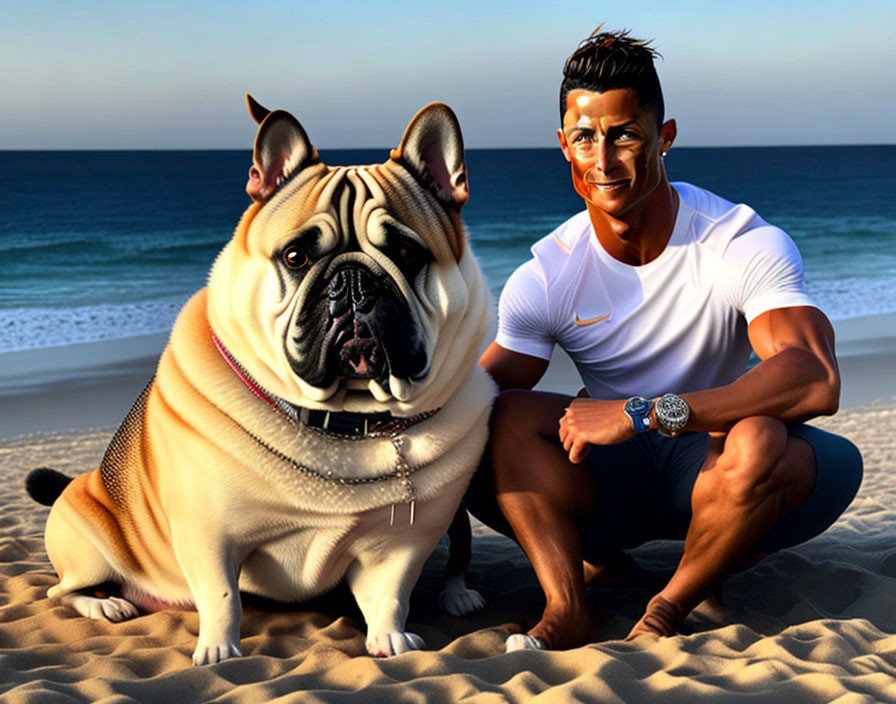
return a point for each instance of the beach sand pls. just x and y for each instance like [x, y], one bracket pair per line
[816, 623]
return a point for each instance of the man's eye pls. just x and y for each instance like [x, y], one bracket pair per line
[581, 137]
[627, 136]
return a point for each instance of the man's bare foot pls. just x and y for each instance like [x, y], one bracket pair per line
[622, 569]
[557, 631]
[660, 619]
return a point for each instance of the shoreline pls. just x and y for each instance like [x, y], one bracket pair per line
[94, 384]
[79, 386]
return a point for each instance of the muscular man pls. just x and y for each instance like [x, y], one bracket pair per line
[657, 291]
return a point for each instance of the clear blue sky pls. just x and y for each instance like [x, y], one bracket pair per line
[166, 74]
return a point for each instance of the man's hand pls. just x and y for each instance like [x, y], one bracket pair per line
[591, 422]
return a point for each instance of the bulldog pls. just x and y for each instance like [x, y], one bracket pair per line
[318, 410]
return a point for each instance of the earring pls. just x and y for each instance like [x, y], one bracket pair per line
[664, 154]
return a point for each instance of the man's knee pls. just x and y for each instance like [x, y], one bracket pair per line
[758, 441]
[759, 460]
[510, 426]
[521, 413]
[525, 454]
[506, 412]
[519, 418]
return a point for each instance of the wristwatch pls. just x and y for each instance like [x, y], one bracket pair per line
[672, 413]
[637, 408]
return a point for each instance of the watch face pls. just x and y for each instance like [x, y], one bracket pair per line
[637, 405]
[672, 411]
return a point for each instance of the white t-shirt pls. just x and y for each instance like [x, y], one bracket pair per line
[675, 324]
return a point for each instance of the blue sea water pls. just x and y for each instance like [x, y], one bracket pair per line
[98, 245]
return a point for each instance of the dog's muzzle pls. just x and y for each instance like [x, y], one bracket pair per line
[353, 296]
[370, 332]
[356, 324]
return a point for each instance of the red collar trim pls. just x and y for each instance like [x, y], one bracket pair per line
[380, 424]
[231, 362]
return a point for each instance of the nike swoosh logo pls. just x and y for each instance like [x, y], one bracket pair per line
[591, 321]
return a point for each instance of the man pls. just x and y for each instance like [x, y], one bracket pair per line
[657, 292]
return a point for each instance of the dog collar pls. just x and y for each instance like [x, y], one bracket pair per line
[341, 424]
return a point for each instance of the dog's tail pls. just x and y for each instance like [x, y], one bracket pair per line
[45, 485]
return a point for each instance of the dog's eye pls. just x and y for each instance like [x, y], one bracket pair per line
[406, 252]
[408, 255]
[295, 258]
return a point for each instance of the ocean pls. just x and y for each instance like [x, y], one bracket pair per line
[97, 245]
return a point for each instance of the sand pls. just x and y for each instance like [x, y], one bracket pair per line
[816, 623]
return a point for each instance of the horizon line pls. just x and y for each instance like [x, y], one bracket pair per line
[468, 149]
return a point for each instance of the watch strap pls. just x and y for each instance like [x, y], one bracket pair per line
[638, 408]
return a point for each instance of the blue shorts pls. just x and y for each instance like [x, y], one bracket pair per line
[644, 488]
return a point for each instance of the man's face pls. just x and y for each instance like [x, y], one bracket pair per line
[614, 149]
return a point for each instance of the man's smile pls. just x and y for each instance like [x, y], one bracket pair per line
[609, 185]
[592, 178]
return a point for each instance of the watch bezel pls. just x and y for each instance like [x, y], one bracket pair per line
[672, 414]
[639, 413]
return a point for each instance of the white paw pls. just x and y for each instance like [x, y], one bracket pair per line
[395, 643]
[523, 641]
[458, 600]
[216, 653]
[111, 608]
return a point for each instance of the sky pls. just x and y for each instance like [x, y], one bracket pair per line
[173, 75]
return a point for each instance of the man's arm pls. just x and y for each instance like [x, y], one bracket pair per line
[512, 370]
[796, 379]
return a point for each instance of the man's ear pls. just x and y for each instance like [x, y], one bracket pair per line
[281, 148]
[668, 132]
[432, 148]
[564, 145]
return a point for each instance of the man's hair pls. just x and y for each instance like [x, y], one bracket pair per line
[609, 60]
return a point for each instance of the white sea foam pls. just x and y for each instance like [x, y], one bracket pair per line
[853, 297]
[33, 328]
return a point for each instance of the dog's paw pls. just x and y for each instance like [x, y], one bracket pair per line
[395, 643]
[523, 641]
[209, 655]
[111, 608]
[458, 600]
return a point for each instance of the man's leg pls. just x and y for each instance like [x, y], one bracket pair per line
[838, 477]
[543, 495]
[751, 479]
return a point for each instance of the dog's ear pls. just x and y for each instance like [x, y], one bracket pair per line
[281, 148]
[433, 149]
[256, 109]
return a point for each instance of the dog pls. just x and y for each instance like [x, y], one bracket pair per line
[317, 413]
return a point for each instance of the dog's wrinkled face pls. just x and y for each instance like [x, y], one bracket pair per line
[350, 287]
[355, 322]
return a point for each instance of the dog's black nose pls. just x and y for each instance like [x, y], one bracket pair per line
[351, 287]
